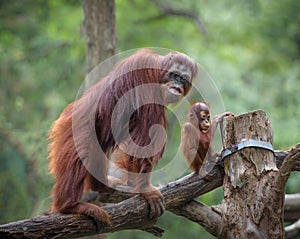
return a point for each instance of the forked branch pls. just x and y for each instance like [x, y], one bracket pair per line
[131, 212]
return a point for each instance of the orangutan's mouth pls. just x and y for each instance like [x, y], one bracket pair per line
[175, 90]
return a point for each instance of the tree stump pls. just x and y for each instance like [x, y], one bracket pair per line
[253, 187]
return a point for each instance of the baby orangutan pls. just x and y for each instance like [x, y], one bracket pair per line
[198, 133]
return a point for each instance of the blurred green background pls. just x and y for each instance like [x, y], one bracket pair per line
[251, 49]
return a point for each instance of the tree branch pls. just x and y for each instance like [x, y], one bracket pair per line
[167, 10]
[293, 230]
[204, 215]
[133, 212]
[115, 196]
[290, 162]
[129, 214]
[292, 207]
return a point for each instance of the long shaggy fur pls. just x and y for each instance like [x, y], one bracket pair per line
[81, 138]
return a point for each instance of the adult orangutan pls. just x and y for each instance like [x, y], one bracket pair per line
[197, 135]
[92, 127]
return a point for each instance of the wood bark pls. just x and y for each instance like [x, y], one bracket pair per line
[254, 187]
[292, 207]
[292, 231]
[179, 201]
[252, 205]
[129, 214]
[99, 27]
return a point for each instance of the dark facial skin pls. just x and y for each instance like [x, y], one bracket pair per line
[178, 83]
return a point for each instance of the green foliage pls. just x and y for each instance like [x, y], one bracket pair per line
[38, 71]
[174, 226]
[251, 51]
[14, 200]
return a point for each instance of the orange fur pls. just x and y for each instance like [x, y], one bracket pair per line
[68, 151]
[195, 140]
[195, 143]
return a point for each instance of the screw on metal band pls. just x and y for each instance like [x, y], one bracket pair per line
[246, 144]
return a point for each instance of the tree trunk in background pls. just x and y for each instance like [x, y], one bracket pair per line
[100, 31]
[99, 28]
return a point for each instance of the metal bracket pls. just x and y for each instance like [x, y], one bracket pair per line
[246, 144]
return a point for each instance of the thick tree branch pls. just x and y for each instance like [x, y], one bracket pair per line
[209, 217]
[290, 162]
[131, 213]
[293, 230]
[203, 215]
[116, 196]
[292, 207]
